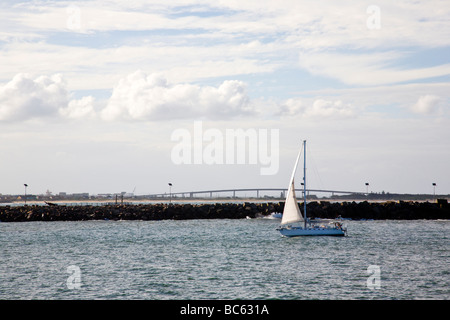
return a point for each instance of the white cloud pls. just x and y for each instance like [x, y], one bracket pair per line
[311, 24]
[230, 38]
[387, 99]
[104, 65]
[150, 97]
[24, 97]
[427, 104]
[319, 108]
[136, 97]
[291, 107]
[79, 109]
[366, 69]
[327, 108]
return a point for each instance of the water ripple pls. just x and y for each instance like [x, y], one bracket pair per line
[221, 259]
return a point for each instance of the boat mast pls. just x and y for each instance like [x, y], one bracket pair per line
[304, 180]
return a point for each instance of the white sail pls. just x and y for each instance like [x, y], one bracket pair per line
[291, 212]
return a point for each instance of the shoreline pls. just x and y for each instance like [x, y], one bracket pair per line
[177, 210]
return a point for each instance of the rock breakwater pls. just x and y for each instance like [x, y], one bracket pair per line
[316, 209]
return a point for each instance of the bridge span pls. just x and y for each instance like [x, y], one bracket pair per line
[256, 191]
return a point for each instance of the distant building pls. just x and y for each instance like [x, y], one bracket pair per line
[84, 195]
[105, 195]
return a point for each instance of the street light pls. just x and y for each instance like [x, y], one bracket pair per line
[434, 191]
[25, 193]
[170, 192]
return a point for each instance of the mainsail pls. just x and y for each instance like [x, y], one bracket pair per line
[291, 212]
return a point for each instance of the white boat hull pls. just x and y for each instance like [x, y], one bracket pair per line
[299, 231]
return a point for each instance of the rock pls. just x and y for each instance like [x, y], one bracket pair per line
[322, 209]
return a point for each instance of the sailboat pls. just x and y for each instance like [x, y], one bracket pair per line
[293, 223]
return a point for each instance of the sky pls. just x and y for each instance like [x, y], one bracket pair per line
[127, 96]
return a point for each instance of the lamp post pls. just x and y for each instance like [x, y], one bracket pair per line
[303, 190]
[25, 193]
[434, 191]
[170, 192]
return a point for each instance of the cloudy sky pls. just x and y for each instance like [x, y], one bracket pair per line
[93, 94]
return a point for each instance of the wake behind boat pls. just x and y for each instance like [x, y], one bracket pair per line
[293, 224]
[277, 215]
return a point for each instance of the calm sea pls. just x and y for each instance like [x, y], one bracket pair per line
[222, 259]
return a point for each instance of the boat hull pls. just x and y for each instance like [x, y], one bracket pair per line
[298, 231]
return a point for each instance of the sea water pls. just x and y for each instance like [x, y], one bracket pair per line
[222, 259]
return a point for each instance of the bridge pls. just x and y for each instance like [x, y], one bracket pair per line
[256, 191]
